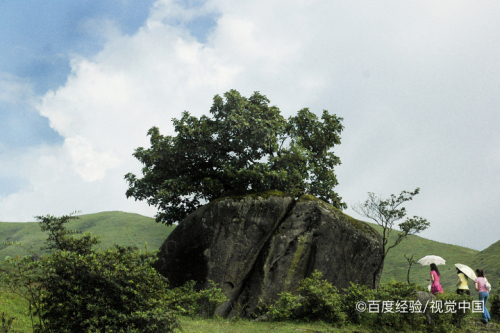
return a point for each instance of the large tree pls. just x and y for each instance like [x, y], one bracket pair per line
[245, 145]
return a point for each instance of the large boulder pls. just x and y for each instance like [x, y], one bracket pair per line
[258, 245]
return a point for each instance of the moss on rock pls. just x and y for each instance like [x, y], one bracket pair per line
[360, 225]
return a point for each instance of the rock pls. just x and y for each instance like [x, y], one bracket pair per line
[259, 245]
[426, 298]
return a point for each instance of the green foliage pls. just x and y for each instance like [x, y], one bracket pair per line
[392, 311]
[79, 289]
[6, 323]
[321, 300]
[285, 308]
[495, 304]
[396, 292]
[352, 295]
[187, 301]
[245, 145]
[317, 299]
[103, 290]
[451, 321]
[22, 276]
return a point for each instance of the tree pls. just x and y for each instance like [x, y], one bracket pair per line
[385, 212]
[246, 145]
[410, 263]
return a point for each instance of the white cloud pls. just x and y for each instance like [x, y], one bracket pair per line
[416, 84]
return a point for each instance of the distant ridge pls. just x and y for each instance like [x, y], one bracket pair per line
[135, 230]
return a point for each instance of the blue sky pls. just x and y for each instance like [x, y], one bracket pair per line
[81, 82]
[38, 39]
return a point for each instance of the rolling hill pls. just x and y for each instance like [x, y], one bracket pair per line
[112, 228]
[133, 229]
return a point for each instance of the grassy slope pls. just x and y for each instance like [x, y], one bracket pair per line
[113, 228]
[396, 265]
[490, 260]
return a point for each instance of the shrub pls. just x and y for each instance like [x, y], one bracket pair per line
[317, 299]
[351, 297]
[21, 276]
[285, 308]
[187, 301]
[454, 319]
[321, 300]
[79, 289]
[6, 323]
[100, 291]
[395, 308]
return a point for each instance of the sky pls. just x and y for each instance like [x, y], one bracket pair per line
[416, 83]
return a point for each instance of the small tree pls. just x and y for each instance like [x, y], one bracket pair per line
[245, 145]
[410, 263]
[385, 212]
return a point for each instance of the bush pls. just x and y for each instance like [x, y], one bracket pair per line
[451, 321]
[79, 289]
[187, 301]
[396, 313]
[285, 308]
[317, 299]
[6, 323]
[103, 290]
[351, 297]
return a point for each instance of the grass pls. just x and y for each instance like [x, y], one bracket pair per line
[113, 228]
[221, 325]
[15, 306]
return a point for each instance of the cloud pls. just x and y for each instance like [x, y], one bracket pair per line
[416, 85]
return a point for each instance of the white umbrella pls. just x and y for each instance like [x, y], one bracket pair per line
[467, 271]
[427, 260]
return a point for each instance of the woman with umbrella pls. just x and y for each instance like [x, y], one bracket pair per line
[463, 284]
[433, 261]
[463, 273]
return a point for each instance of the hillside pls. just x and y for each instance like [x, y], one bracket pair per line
[133, 229]
[490, 259]
[112, 228]
[396, 266]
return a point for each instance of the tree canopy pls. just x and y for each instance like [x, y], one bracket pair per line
[246, 145]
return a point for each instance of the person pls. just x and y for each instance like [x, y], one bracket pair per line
[480, 284]
[463, 283]
[435, 286]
